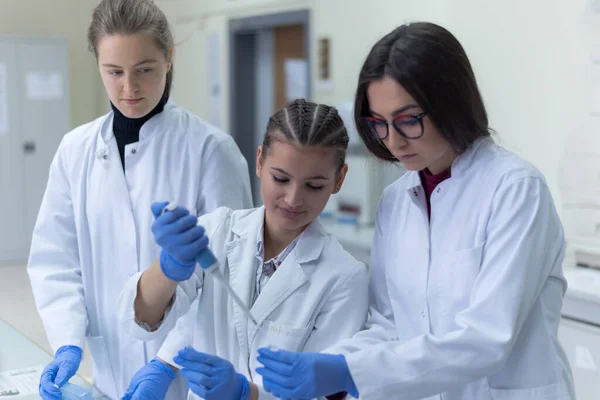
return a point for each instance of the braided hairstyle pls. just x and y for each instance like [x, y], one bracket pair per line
[308, 124]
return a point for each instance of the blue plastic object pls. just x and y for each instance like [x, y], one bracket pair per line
[326, 214]
[207, 259]
[348, 219]
[71, 391]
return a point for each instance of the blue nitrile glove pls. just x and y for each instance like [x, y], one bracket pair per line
[181, 241]
[58, 372]
[211, 377]
[151, 382]
[292, 375]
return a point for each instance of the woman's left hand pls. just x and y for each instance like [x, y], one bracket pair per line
[289, 375]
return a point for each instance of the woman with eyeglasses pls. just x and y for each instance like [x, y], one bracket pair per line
[466, 279]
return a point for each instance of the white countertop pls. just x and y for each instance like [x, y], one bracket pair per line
[17, 352]
[582, 300]
[350, 235]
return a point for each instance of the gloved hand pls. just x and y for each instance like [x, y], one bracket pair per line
[58, 372]
[181, 241]
[151, 382]
[211, 377]
[304, 375]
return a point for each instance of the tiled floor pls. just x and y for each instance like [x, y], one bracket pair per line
[17, 307]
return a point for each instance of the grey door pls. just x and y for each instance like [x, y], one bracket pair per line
[45, 115]
[38, 105]
[13, 240]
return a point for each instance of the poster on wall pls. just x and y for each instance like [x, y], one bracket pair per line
[324, 83]
[3, 100]
[296, 79]
[44, 86]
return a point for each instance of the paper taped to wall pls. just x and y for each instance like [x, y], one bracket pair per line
[296, 79]
[3, 100]
[44, 86]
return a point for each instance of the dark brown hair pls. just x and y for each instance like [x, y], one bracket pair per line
[432, 66]
[308, 124]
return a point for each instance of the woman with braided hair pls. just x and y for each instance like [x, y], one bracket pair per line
[304, 290]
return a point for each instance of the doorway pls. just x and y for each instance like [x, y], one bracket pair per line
[260, 47]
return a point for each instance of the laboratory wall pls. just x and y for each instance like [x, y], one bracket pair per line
[67, 19]
[530, 57]
[197, 22]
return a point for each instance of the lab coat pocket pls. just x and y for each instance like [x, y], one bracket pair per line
[555, 391]
[286, 337]
[102, 372]
[459, 277]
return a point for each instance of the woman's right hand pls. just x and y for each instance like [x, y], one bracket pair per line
[181, 239]
[151, 382]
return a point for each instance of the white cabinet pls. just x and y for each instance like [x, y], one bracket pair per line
[579, 330]
[581, 341]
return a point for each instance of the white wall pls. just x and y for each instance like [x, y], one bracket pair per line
[529, 57]
[66, 19]
[530, 66]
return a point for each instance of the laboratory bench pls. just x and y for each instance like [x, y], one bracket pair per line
[356, 239]
[21, 363]
[579, 330]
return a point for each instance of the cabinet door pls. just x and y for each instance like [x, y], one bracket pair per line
[45, 114]
[582, 344]
[13, 239]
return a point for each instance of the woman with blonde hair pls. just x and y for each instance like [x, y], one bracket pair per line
[93, 229]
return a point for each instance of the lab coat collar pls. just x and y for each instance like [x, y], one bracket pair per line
[465, 160]
[153, 125]
[459, 166]
[310, 243]
[249, 223]
[240, 262]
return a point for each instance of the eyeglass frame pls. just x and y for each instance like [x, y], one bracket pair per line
[419, 117]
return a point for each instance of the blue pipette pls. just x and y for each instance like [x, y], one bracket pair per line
[209, 263]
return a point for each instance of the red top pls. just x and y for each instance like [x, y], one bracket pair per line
[429, 182]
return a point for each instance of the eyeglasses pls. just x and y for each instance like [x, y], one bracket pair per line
[408, 126]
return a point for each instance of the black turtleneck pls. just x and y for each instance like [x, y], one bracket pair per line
[127, 130]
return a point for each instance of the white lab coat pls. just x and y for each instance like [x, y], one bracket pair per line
[467, 306]
[94, 227]
[317, 296]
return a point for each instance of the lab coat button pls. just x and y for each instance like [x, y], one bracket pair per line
[133, 151]
[105, 157]
[423, 314]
